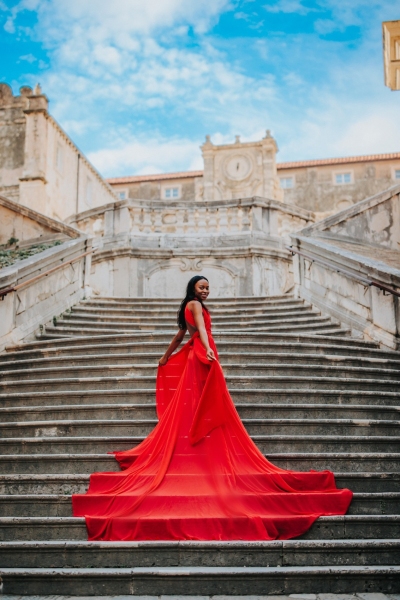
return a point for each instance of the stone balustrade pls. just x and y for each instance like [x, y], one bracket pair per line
[152, 248]
[256, 214]
[44, 298]
[340, 263]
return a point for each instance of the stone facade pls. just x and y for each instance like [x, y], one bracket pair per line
[323, 186]
[39, 165]
[391, 53]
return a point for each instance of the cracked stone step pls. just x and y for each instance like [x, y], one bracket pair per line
[170, 311]
[245, 369]
[155, 320]
[266, 443]
[247, 410]
[295, 461]
[295, 322]
[64, 483]
[268, 349]
[266, 396]
[325, 528]
[123, 358]
[210, 580]
[228, 338]
[75, 427]
[234, 382]
[42, 505]
[69, 554]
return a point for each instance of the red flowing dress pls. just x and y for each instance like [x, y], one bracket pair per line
[198, 475]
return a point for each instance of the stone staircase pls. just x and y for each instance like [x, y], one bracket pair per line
[311, 396]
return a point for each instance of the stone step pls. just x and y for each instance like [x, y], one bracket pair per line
[168, 321]
[64, 483]
[47, 442]
[240, 358]
[228, 338]
[234, 382]
[245, 369]
[171, 310]
[325, 528]
[245, 410]
[136, 427]
[268, 396]
[175, 581]
[295, 461]
[39, 505]
[229, 349]
[69, 554]
[244, 301]
[294, 324]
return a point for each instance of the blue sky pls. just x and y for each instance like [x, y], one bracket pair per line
[137, 84]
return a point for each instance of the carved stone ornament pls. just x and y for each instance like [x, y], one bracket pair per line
[191, 264]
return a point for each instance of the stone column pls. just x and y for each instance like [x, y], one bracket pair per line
[208, 152]
[270, 177]
[33, 181]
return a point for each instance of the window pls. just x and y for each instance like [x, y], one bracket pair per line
[397, 174]
[342, 178]
[122, 195]
[59, 158]
[286, 182]
[171, 192]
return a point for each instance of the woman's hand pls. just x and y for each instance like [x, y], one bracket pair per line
[210, 354]
[163, 361]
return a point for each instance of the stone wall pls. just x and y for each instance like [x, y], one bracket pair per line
[348, 265]
[39, 164]
[315, 187]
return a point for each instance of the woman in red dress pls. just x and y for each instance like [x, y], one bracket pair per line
[198, 475]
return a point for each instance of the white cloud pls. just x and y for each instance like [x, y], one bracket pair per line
[126, 77]
[288, 6]
[148, 156]
[28, 57]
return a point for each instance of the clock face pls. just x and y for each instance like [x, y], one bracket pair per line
[238, 167]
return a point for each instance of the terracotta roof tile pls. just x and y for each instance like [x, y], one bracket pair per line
[157, 177]
[338, 161]
[283, 165]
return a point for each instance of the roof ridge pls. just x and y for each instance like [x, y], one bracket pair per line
[282, 165]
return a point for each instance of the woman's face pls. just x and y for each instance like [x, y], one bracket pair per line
[202, 289]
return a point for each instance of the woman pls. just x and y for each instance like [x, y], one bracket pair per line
[198, 475]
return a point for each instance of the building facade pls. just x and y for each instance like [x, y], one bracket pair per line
[323, 186]
[40, 166]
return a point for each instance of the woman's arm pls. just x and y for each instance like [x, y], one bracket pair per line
[176, 340]
[197, 311]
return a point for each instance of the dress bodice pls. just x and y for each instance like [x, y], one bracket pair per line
[190, 319]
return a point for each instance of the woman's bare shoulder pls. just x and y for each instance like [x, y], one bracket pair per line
[194, 306]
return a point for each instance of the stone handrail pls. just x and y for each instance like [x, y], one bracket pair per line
[44, 286]
[313, 258]
[360, 292]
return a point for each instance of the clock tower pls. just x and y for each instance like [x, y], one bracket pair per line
[240, 170]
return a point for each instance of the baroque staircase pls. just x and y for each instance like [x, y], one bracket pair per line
[311, 396]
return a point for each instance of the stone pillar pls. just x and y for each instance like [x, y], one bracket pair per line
[270, 176]
[207, 150]
[33, 181]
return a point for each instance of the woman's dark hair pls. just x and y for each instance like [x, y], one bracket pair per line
[190, 295]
